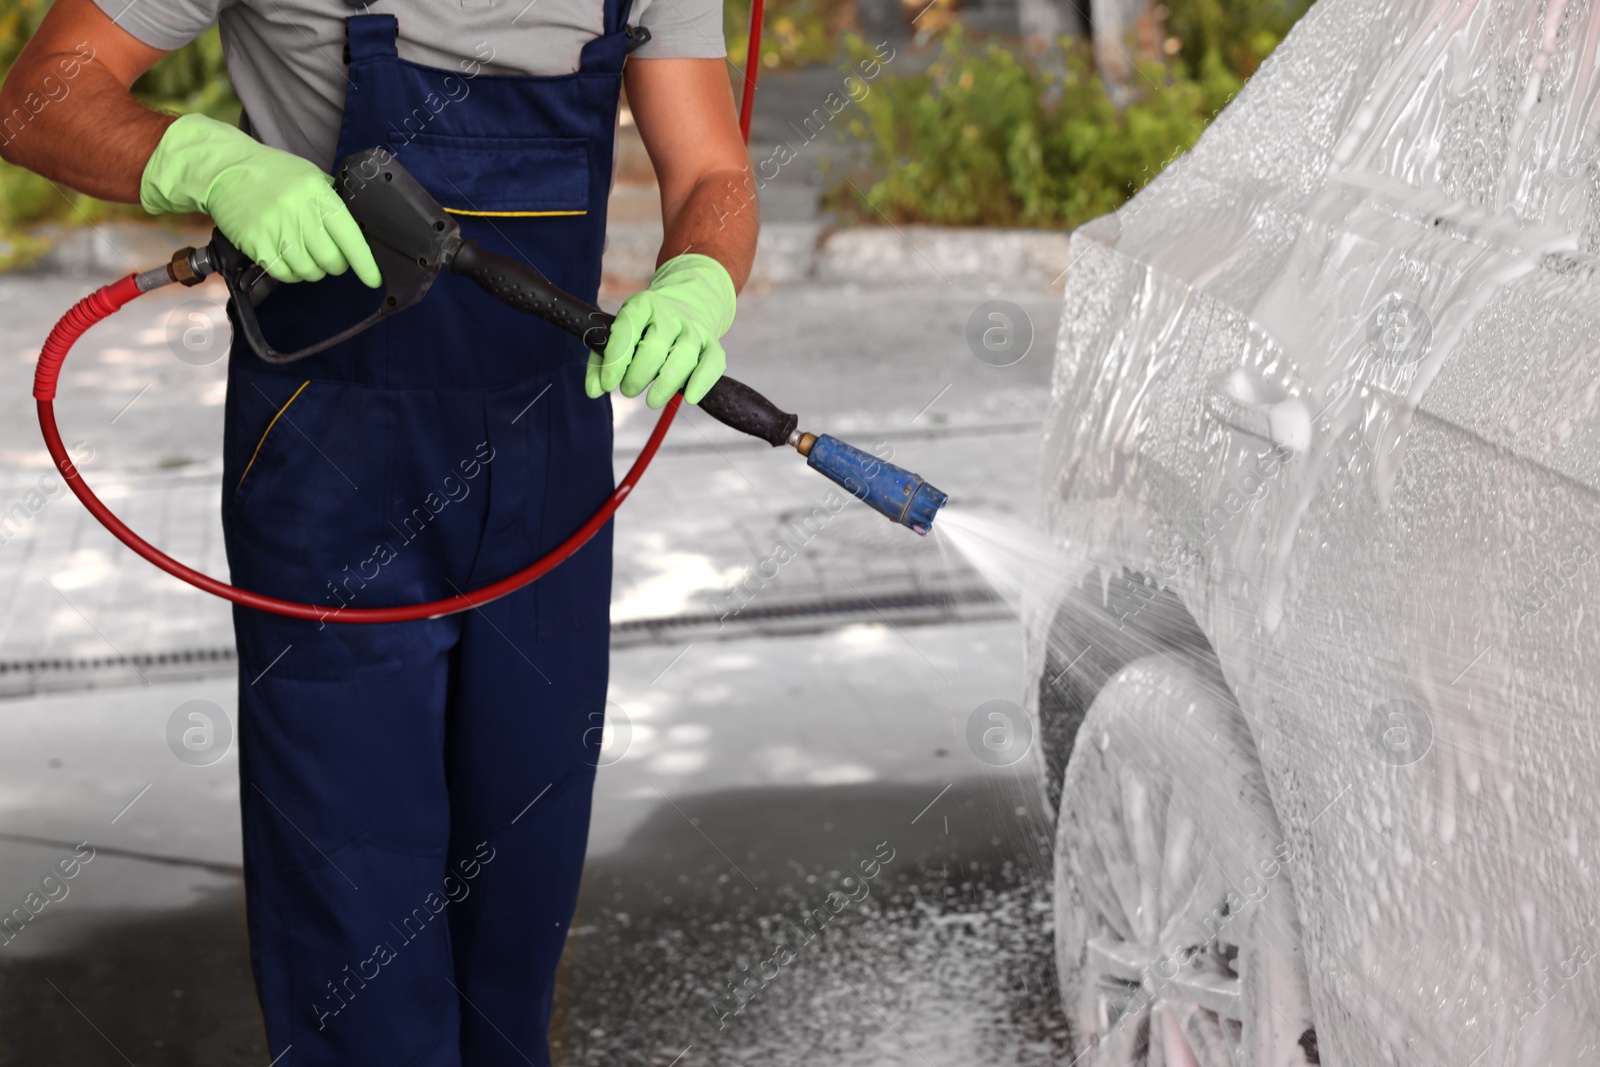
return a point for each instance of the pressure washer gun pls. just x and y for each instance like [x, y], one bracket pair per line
[413, 239]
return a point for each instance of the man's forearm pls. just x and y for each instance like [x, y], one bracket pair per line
[66, 111]
[66, 116]
[705, 223]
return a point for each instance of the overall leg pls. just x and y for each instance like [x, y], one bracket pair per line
[525, 737]
[346, 831]
[527, 709]
[343, 787]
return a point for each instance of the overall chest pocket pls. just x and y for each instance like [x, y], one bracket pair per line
[538, 200]
[502, 177]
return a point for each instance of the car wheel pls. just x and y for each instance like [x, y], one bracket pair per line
[1176, 932]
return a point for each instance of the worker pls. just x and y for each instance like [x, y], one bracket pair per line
[415, 797]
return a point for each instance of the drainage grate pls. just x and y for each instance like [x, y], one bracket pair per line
[818, 614]
[927, 607]
[19, 678]
[138, 659]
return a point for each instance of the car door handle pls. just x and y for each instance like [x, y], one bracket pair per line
[1250, 403]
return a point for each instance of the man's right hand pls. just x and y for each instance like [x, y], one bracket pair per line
[276, 208]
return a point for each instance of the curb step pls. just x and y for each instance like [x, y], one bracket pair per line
[792, 252]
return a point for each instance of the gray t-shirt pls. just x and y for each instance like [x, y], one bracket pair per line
[286, 57]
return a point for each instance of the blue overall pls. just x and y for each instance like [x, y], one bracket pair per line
[416, 796]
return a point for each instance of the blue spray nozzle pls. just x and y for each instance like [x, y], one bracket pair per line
[889, 490]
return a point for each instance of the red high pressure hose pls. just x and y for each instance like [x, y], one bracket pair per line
[106, 301]
[752, 67]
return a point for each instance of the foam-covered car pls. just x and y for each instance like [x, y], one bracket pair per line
[1321, 724]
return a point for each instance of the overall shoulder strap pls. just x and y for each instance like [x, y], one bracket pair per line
[370, 37]
[617, 15]
[609, 51]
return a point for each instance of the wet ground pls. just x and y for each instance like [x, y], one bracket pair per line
[833, 836]
[719, 942]
[942, 958]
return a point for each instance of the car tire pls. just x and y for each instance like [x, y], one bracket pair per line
[1177, 938]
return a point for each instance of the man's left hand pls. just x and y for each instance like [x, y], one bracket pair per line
[667, 336]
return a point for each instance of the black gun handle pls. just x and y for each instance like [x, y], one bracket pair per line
[522, 287]
[735, 404]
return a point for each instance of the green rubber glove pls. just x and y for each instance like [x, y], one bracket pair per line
[276, 208]
[668, 336]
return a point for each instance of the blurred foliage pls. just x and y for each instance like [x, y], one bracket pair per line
[984, 137]
[17, 23]
[795, 33]
[1238, 33]
[191, 79]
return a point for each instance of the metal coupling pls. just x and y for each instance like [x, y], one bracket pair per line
[189, 266]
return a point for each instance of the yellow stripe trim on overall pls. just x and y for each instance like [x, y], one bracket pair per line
[511, 214]
[267, 431]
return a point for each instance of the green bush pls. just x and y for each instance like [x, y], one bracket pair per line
[17, 24]
[795, 33]
[1239, 33]
[193, 78]
[985, 138]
